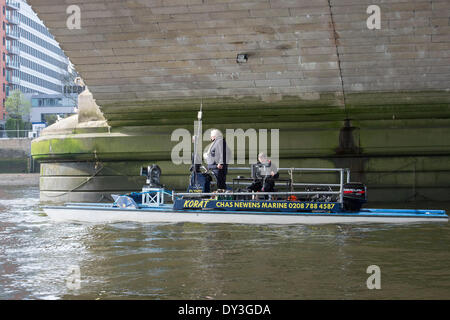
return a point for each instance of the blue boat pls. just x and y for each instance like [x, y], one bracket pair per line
[315, 203]
[311, 203]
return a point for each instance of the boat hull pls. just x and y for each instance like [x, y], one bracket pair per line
[165, 214]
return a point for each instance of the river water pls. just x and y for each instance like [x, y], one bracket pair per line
[38, 258]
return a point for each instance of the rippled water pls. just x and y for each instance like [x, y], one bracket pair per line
[196, 261]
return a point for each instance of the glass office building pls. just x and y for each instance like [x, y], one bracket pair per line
[32, 60]
[43, 105]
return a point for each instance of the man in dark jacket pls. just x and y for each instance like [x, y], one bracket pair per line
[217, 158]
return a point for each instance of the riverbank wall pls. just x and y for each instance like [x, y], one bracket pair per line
[15, 156]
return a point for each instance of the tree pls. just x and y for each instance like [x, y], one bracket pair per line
[18, 125]
[17, 106]
[50, 119]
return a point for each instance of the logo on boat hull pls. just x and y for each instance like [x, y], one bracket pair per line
[255, 205]
[195, 204]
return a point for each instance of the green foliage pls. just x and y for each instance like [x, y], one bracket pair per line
[50, 119]
[16, 128]
[17, 105]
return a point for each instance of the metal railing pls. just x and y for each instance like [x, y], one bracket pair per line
[12, 33]
[12, 64]
[344, 175]
[18, 134]
[15, 5]
[12, 49]
[12, 19]
[13, 80]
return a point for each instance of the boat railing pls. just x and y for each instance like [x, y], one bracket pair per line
[344, 175]
[175, 194]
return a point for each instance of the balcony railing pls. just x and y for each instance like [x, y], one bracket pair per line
[12, 64]
[13, 49]
[13, 80]
[13, 5]
[12, 19]
[8, 134]
[12, 34]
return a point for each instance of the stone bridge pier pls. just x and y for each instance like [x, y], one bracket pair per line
[341, 94]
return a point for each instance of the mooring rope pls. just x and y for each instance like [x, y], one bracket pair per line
[81, 184]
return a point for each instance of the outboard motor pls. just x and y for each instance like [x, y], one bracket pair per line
[355, 195]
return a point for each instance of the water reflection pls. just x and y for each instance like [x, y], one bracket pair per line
[196, 261]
